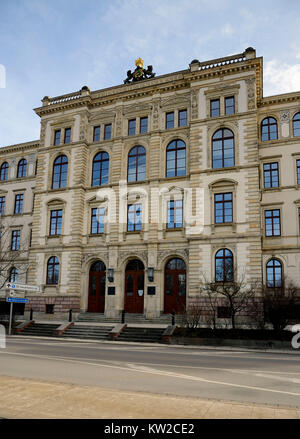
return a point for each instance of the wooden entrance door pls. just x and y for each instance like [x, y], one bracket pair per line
[175, 286]
[97, 287]
[134, 287]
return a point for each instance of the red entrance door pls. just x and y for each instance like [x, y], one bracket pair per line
[175, 286]
[134, 287]
[97, 287]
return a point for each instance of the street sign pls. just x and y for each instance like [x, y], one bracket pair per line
[17, 300]
[24, 287]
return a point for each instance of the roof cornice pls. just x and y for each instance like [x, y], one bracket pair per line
[20, 147]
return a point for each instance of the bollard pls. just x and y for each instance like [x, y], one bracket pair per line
[123, 316]
[31, 314]
[70, 315]
[173, 318]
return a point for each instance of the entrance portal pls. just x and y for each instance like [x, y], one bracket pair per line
[97, 287]
[134, 287]
[175, 286]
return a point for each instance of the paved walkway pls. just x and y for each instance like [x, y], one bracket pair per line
[24, 398]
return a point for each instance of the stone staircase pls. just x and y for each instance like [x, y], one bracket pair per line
[88, 332]
[150, 335]
[164, 319]
[40, 329]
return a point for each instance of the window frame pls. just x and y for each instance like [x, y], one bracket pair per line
[171, 122]
[137, 227]
[273, 267]
[211, 109]
[180, 124]
[131, 129]
[223, 202]
[106, 127]
[226, 98]
[18, 207]
[15, 240]
[103, 159]
[2, 204]
[174, 209]
[296, 118]
[96, 127]
[224, 257]
[56, 141]
[168, 160]
[222, 139]
[22, 168]
[4, 171]
[272, 217]
[56, 219]
[137, 156]
[268, 125]
[141, 119]
[67, 136]
[61, 172]
[53, 279]
[98, 212]
[271, 171]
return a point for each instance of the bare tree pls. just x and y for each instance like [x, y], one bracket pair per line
[280, 304]
[237, 294]
[191, 315]
[11, 258]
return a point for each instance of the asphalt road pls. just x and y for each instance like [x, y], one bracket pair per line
[243, 376]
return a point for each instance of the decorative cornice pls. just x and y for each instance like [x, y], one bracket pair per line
[20, 147]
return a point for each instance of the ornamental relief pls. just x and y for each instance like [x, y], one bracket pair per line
[284, 116]
[251, 93]
[163, 255]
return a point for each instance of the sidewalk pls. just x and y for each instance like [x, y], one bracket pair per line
[30, 399]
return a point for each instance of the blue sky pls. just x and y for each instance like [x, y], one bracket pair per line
[56, 47]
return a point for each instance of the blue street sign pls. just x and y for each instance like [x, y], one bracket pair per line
[17, 300]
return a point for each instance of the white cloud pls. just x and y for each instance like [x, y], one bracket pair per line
[281, 77]
[227, 30]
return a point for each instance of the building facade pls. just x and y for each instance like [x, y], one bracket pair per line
[136, 194]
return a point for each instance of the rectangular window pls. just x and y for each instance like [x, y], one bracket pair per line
[134, 217]
[272, 222]
[182, 118]
[19, 203]
[223, 208]
[170, 120]
[174, 214]
[97, 221]
[55, 222]
[107, 131]
[67, 135]
[271, 175]
[2, 205]
[57, 137]
[15, 240]
[298, 171]
[143, 125]
[215, 108]
[96, 134]
[229, 105]
[131, 127]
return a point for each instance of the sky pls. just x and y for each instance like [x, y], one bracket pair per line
[55, 47]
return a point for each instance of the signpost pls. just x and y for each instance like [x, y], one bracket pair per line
[12, 300]
[24, 287]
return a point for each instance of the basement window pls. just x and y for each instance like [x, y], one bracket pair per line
[49, 309]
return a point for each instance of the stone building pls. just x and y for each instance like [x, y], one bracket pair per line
[136, 194]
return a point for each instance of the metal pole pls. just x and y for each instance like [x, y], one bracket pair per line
[31, 314]
[70, 315]
[123, 316]
[173, 318]
[10, 317]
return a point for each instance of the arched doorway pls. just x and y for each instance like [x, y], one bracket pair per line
[175, 286]
[97, 280]
[134, 287]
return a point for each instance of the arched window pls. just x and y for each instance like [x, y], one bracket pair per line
[274, 274]
[137, 164]
[269, 129]
[223, 148]
[60, 172]
[176, 159]
[224, 265]
[4, 171]
[52, 271]
[13, 275]
[22, 165]
[296, 125]
[100, 169]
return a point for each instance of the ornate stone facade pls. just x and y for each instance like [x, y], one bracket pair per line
[184, 98]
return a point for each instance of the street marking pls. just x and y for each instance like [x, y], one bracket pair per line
[142, 369]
